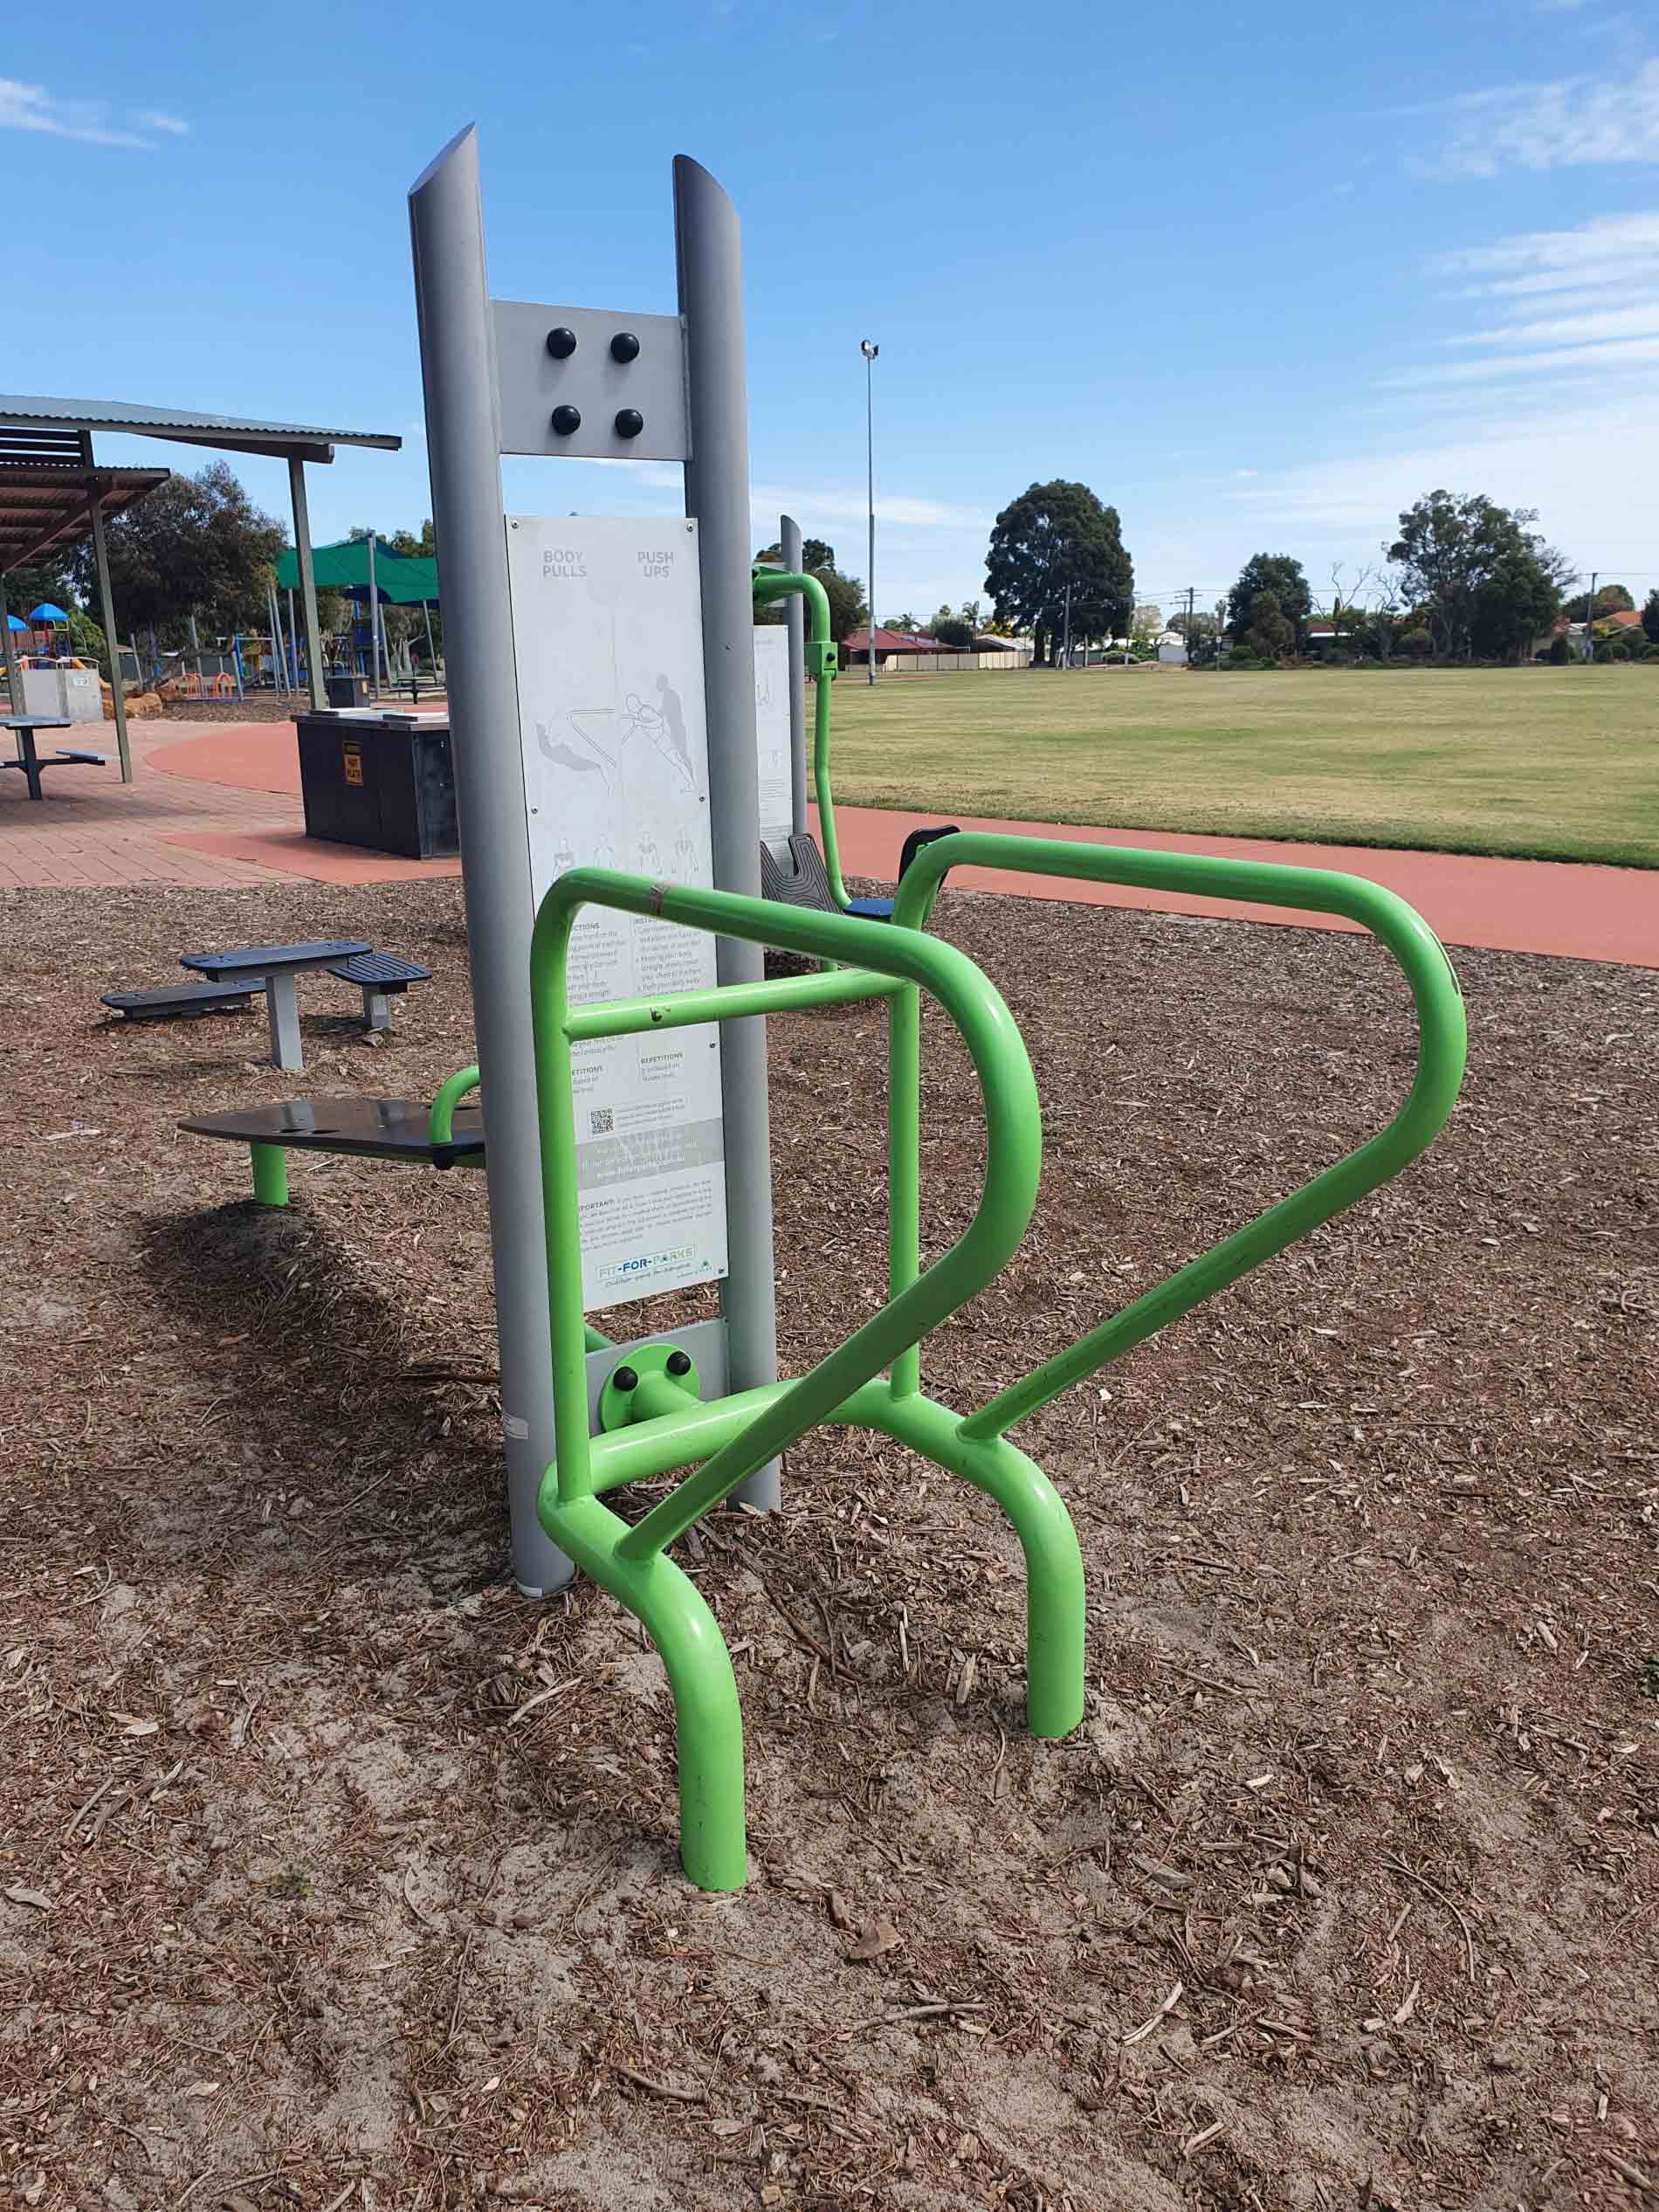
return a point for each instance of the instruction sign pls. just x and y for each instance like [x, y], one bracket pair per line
[607, 636]
[771, 737]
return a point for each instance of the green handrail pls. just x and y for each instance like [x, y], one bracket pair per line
[1443, 1040]
[783, 583]
[440, 1122]
[1012, 1149]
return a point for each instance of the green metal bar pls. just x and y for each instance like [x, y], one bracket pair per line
[774, 584]
[1013, 1159]
[904, 1168]
[441, 1120]
[596, 1339]
[270, 1175]
[626, 1016]
[1053, 1564]
[1443, 1041]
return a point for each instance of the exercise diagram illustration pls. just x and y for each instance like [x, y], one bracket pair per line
[663, 727]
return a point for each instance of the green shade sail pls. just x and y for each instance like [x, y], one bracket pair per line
[400, 580]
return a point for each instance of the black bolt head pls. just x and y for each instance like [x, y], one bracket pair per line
[561, 343]
[629, 422]
[679, 1364]
[567, 421]
[624, 347]
[625, 1378]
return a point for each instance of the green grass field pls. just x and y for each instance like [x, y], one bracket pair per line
[1551, 763]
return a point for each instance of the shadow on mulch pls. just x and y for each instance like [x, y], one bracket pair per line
[318, 1384]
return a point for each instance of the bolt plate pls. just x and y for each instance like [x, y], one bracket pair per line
[530, 383]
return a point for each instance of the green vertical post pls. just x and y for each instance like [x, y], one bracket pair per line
[270, 1175]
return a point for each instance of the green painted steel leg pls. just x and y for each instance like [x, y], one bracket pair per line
[1055, 1603]
[270, 1175]
[708, 1725]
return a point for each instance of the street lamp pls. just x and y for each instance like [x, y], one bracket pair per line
[869, 352]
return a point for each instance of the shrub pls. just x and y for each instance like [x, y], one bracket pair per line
[1241, 657]
[1557, 655]
[1617, 651]
[1418, 643]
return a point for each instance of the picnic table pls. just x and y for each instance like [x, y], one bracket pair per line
[278, 965]
[22, 728]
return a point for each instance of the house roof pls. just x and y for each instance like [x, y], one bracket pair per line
[1622, 619]
[893, 641]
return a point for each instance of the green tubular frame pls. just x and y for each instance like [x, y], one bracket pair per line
[724, 1442]
[782, 583]
[728, 1439]
[1441, 1046]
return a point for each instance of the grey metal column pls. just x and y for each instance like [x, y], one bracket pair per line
[709, 256]
[307, 582]
[795, 614]
[106, 609]
[374, 621]
[282, 1018]
[14, 681]
[458, 370]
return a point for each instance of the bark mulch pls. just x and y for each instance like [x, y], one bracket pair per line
[335, 1873]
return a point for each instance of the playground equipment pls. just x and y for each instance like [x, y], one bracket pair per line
[602, 683]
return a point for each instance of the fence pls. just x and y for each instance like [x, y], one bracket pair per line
[946, 663]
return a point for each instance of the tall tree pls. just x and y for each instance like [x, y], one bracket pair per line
[845, 594]
[1271, 633]
[197, 545]
[1056, 535]
[1461, 556]
[1611, 599]
[1650, 617]
[1275, 572]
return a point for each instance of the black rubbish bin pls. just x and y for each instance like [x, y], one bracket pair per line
[346, 691]
[382, 780]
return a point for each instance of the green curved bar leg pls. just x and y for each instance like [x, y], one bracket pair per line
[708, 1724]
[270, 1175]
[1056, 1609]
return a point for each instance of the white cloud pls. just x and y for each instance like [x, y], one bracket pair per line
[1578, 329]
[1620, 353]
[1606, 247]
[1563, 124]
[93, 122]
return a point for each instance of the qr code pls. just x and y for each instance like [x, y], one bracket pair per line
[602, 1121]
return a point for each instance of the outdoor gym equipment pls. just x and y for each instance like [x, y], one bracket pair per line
[652, 1416]
[602, 696]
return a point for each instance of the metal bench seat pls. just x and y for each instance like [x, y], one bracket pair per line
[184, 1002]
[378, 975]
[362, 1128]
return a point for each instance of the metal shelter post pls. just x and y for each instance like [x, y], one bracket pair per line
[458, 370]
[14, 682]
[307, 583]
[374, 621]
[709, 255]
[106, 609]
[795, 615]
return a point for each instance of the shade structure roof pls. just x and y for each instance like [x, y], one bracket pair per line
[403, 580]
[43, 503]
[185, 426]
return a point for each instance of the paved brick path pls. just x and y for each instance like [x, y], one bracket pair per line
[219, 804]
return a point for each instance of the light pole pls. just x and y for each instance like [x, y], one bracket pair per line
[869, 352]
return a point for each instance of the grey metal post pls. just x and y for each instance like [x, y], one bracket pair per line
[795, 615]
[374, 621]
[293, 649]
[279, 670]
[431, 649]
[307, 582]
[14, 681]
[196, 647]
[709, 256]
[452, 307]
[282, 1018]
[869, 352]
[106, 611]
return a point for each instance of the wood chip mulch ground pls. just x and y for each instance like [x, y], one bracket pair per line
[335, 1873]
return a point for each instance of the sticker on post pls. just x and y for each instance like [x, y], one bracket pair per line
[513, 1426]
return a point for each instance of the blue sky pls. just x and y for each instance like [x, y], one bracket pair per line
[1260, 276]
